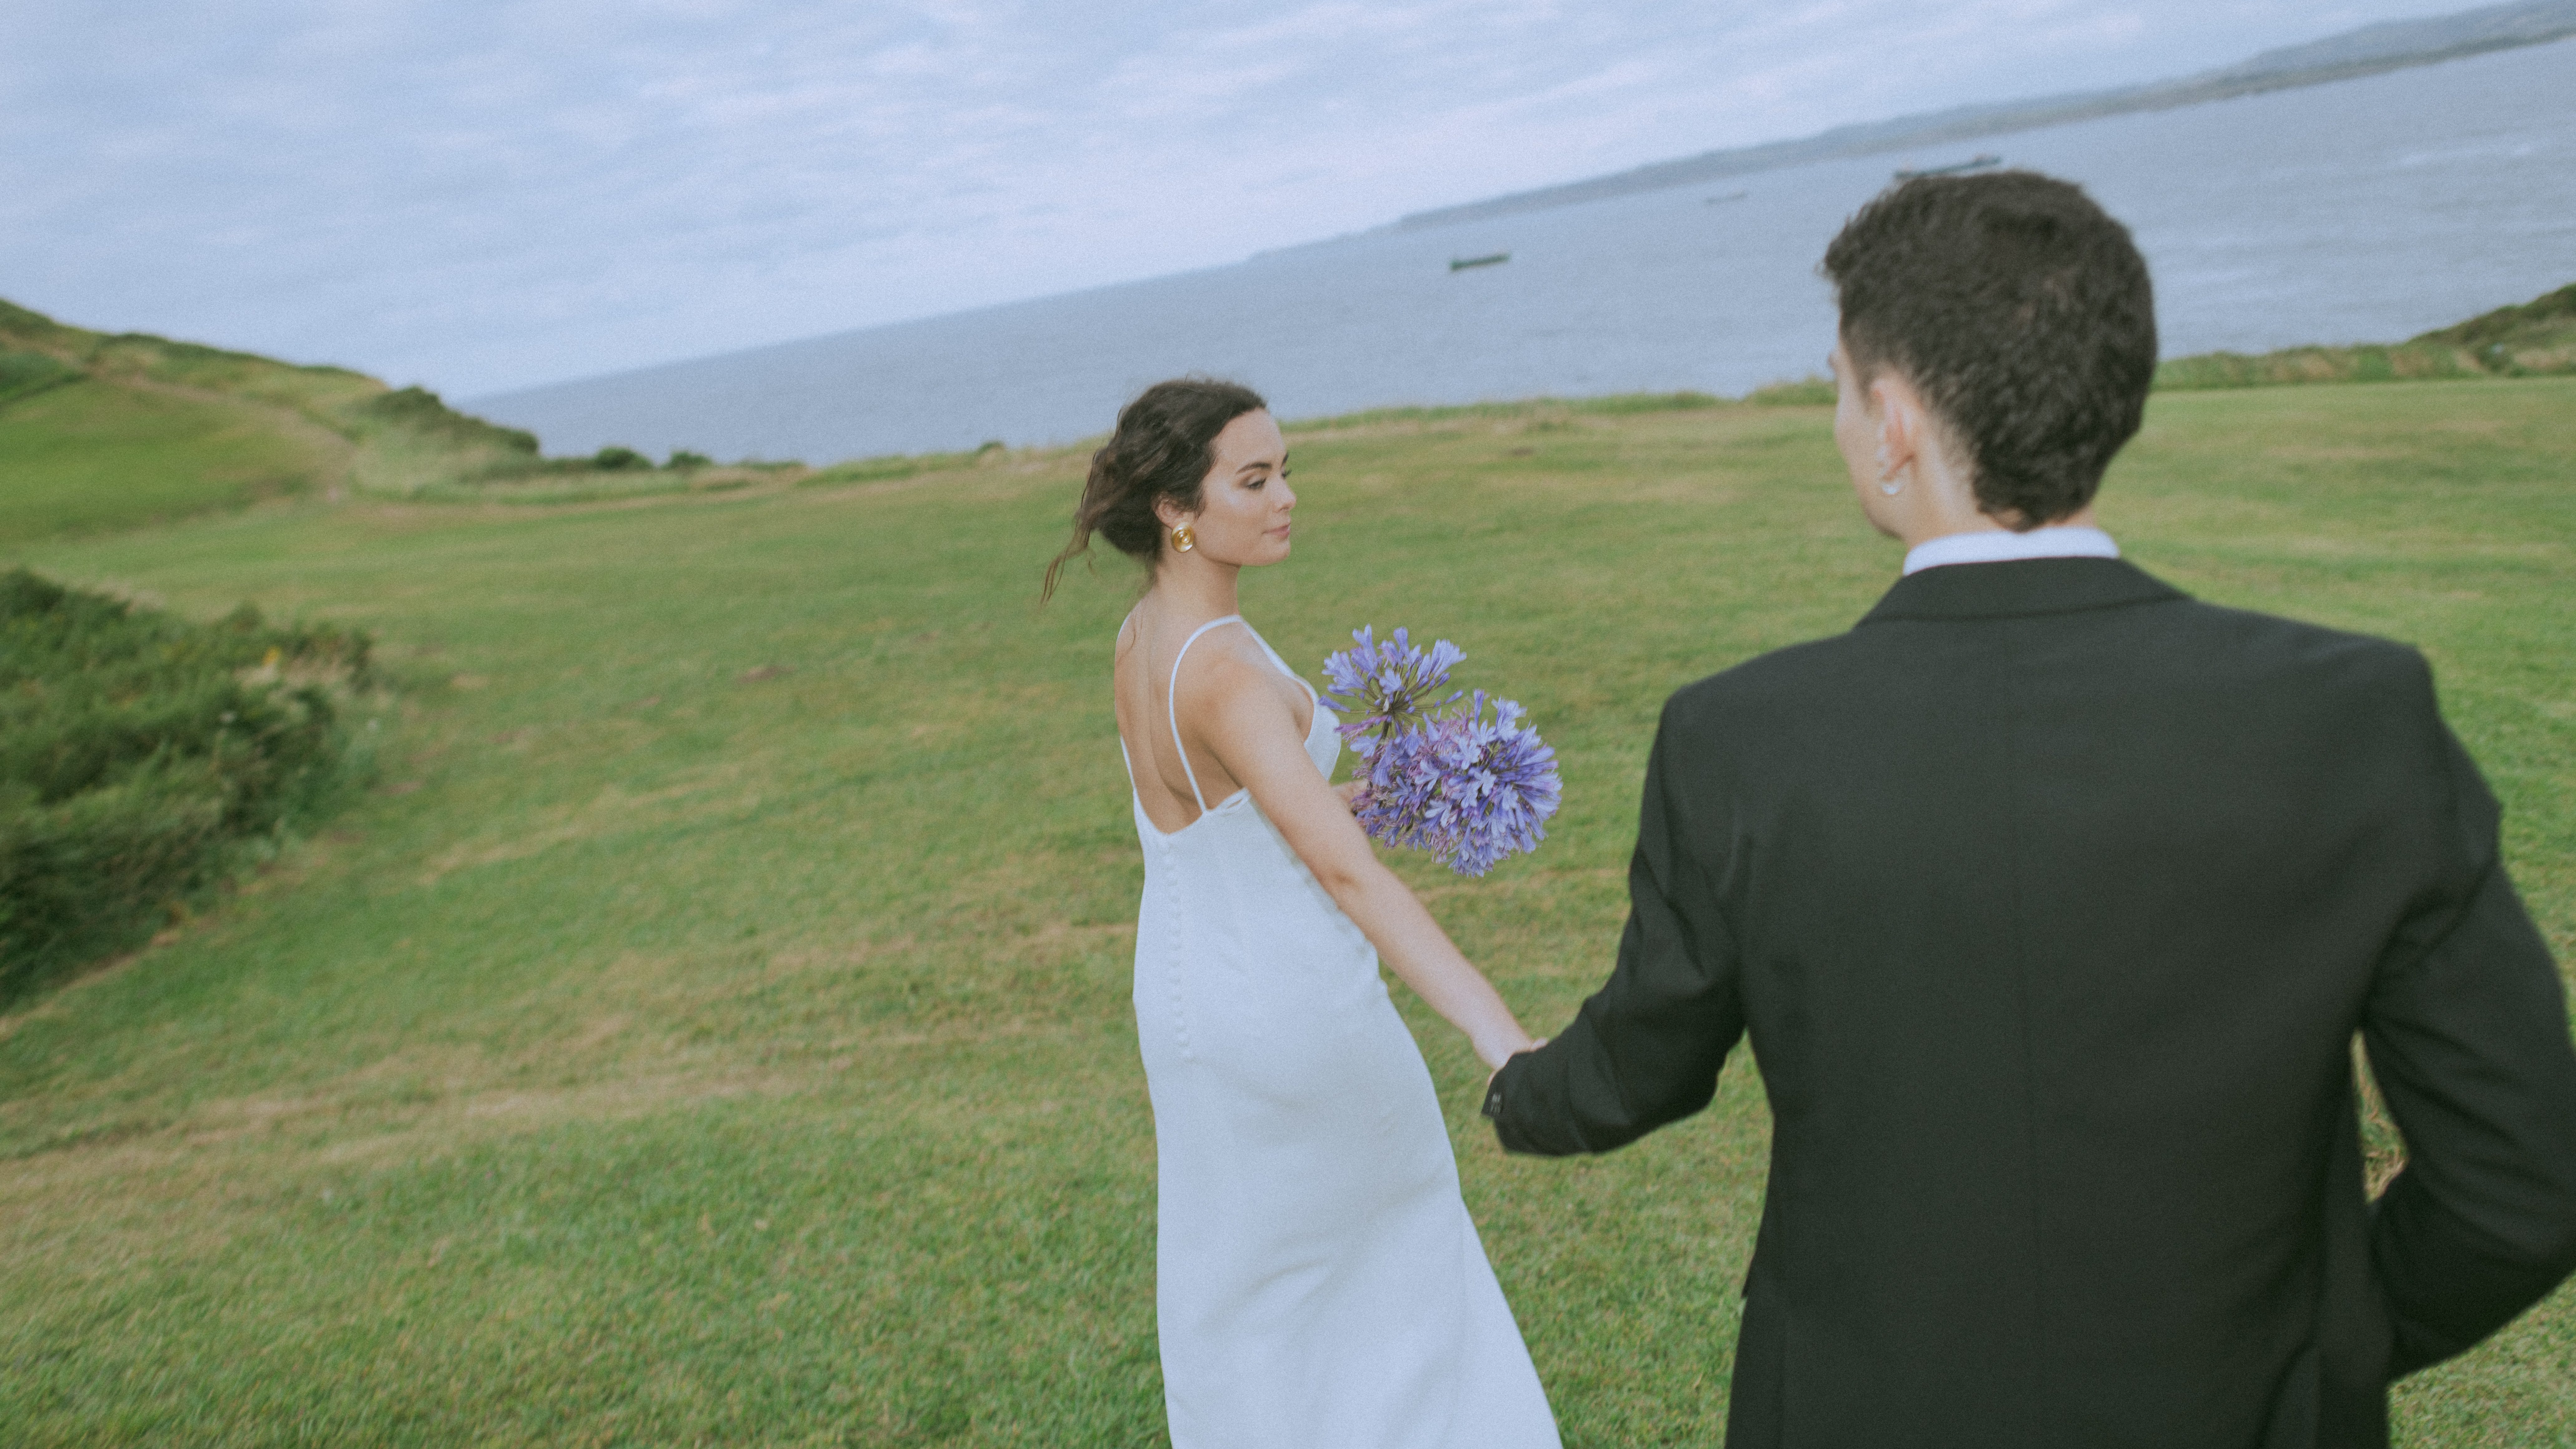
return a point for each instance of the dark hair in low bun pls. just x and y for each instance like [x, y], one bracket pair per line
[1164, 447]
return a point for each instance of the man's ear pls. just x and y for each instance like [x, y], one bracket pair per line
[1900, 421]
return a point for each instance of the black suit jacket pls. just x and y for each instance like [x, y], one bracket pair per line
[2052, 900]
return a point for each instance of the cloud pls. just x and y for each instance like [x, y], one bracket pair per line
[488, 193]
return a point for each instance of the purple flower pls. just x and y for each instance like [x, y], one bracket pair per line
[1382, 689]
[1468, 787]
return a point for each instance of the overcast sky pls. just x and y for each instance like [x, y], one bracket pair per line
[485, 194]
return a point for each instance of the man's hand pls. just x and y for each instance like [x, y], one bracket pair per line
[1507, 1061]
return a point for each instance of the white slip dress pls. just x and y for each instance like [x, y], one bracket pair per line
[1319, 1284]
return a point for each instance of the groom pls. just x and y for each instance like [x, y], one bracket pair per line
[2052, 900]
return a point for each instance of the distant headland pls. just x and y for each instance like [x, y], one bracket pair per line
[2369, 50]
[101, 432]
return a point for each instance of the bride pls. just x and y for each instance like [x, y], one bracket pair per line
[1318, 1280]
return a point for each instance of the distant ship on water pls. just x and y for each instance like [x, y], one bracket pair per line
[1955, 168]
[1460, 264]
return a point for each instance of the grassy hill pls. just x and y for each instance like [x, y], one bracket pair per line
[108, 430]
[717, 1028]
[101, 431]
[2535, 339]
[90, 456]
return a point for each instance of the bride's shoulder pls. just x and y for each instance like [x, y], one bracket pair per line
[1224, 650]
[1226, 661]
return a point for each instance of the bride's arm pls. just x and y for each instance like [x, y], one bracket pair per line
[1254, 735]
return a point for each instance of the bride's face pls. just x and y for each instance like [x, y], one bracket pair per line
[1244, 501]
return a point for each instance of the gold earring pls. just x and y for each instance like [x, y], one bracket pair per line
[1183, 540]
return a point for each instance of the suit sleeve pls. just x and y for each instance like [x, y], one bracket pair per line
[1646, 1048]
[2467, 1032]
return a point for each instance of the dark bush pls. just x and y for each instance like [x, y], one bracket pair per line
[616, 459]
[685, 459]
[134, 747]
[422, 411]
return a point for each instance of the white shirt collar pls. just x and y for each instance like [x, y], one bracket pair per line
[2002, 546]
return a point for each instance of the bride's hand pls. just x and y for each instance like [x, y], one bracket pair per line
[1497, 1052]
[1350, 790]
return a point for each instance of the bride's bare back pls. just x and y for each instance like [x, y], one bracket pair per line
[1163, 693]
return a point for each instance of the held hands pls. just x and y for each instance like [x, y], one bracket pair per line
[1499, 1048]
[1495, 1069]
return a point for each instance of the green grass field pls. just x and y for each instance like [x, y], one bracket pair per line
[716, 1030]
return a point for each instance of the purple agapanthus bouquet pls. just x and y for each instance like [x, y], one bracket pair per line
[1454, 773]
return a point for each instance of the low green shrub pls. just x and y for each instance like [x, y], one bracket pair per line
[25, 373]
[136, 748]
[1806, 392]
[1624, 403]
[424, 412]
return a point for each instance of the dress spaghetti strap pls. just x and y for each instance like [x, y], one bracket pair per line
[1172, 704]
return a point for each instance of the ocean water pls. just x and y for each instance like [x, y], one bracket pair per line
[2362, 211]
